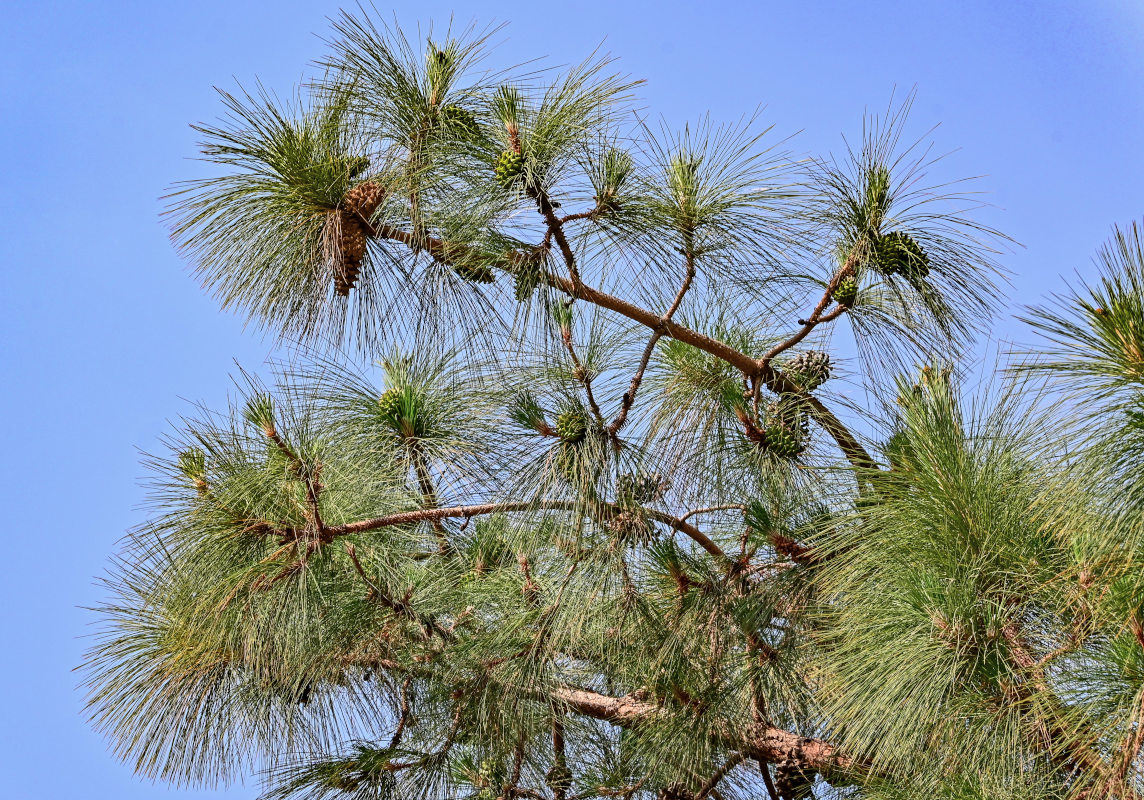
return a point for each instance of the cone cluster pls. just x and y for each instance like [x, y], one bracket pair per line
[389, 404]
[458, 122]
[786, 428]
[359, 203]
[781, 441]
[791, 783]
[474, 271]
[642, 488]
[525, 280]
[508, 168]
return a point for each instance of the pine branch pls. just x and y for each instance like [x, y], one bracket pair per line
[556, 229]
[455, 512]
[399, 607]
[630, 396]
[709, 786]
[753, 368]
[817, 317]
[762, 742]
[581, 373]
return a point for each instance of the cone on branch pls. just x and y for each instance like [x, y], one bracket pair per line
[898, 253]
[684, 262]
[350, 233]
[810, 369]
[508, 168]
[572, 426]
[846, 292]
[458, 122]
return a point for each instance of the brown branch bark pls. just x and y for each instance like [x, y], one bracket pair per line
[816, 317]
[454, 512]
[762, 742]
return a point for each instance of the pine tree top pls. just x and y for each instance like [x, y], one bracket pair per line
[607, 519]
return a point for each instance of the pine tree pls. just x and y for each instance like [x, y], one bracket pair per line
[600, 525]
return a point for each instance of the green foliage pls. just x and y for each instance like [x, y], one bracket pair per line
[612, 532]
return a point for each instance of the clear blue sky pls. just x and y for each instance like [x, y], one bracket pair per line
[105, 335]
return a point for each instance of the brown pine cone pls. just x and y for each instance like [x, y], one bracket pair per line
[351, 251]
[364, 198]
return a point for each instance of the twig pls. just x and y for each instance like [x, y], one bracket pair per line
[400, 607]
[403, 719]
[630, 395]
[816, 317]
[718, 775]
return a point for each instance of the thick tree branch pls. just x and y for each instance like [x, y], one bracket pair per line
[759, 741]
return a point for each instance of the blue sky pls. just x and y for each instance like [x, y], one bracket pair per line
[106, 337]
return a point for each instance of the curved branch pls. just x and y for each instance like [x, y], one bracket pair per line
[776, 381]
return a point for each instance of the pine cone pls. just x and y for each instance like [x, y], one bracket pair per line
[571, 427]
[791, 782]
[364, 198]
[389, 404]
[508, 168]
[458, 122]
[525, 280]
[787, 411]
[474, 272]
[811, 369]
[350, 244]
[846, 292]
[628, 526]
[897, 253]
[642, 488]
[359, 203]
[781, 441]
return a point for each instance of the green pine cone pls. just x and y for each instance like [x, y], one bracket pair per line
[782, 442]
[403, 410]
[508, 168]
[475, 272]
[898, 253]
[847, 291]
[458, 122]
[390, 404]
[639, 488]
[571, 427]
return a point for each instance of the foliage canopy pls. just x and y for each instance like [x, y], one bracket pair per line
[601, 523]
